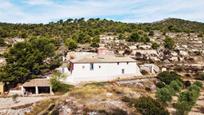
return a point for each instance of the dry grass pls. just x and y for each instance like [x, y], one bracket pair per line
[41, 106]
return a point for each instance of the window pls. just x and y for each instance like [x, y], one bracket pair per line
[91, 66]
[83, 67]
[99, 66]
[118, 63]
[123, 71]
[127, 63]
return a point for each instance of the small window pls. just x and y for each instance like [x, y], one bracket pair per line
[118, 63]
[127, 63]
[91, 66]
[83, 67]
[99, 66]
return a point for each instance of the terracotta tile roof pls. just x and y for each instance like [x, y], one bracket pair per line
[37, 82]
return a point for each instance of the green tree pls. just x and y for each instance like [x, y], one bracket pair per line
[149, 106]
[71, 44]
[134, 37]
[176, 85]
[198, 83]
[168, 76]
[169, 43]
[155, 45]
[95, 42]
[2, 43]
[57, 85]
[164, 94]
[28, 58]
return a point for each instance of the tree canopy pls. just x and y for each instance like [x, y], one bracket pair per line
[29, 58]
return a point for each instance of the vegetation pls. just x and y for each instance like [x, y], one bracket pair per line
[57, 85]
[176, 85]
[169, 43]
[187, 99]
[201, 76]
[168, 76]
[164, 94]
[27, 59]
[14, 98]
[147, 106]
[155, 45]
[71, 44]
[81, 29]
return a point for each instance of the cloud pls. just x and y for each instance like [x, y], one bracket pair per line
[44, 11]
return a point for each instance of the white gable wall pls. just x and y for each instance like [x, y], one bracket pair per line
[102, 71]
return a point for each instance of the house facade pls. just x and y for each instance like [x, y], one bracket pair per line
[100, 68]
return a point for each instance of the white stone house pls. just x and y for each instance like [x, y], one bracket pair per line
[100, 68]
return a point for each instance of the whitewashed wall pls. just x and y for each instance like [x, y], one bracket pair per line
[107, 71]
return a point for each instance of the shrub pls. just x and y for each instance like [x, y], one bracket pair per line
[200, 76]
[182, 108]
[72, 44]
[167, 77]
[198, 83]
[58, 86]
[149, 106]
[169, 43]
[187, 83]
[155, 45]
[194, 87]
[176, 85]
[164, 94]
[14, 98]
[185, 96]
[160, 84]
[94, 44]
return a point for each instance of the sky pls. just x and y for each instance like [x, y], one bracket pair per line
[133, 11]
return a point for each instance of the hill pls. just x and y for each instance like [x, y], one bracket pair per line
[82, 30]
[176, 25]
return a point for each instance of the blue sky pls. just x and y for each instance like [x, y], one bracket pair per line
[44, 11]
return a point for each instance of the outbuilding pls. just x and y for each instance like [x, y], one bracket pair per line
[37, 86]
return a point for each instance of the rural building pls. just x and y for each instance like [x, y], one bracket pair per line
[1, 88]
[150, 68]
[100, 68]
[37, 86]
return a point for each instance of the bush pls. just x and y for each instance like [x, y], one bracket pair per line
[155, 45]
[169, 43]
[149, 106]
[94, 44]
[176, 85]
[167, 77]
[58, 86]
[182, 108]
[71, 44]
[14, 98]
[164, 94]
[187, 83]
[198, 83]
[160, 84]
[200, 76]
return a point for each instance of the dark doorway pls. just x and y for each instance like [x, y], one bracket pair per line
[30, 89]
[44, 89]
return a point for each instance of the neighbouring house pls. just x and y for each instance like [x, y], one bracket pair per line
[150, 68]
[37, 86]
[1, 88]
[101, 68]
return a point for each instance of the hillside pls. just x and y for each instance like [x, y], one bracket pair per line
[84, 29]
[176, 25]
